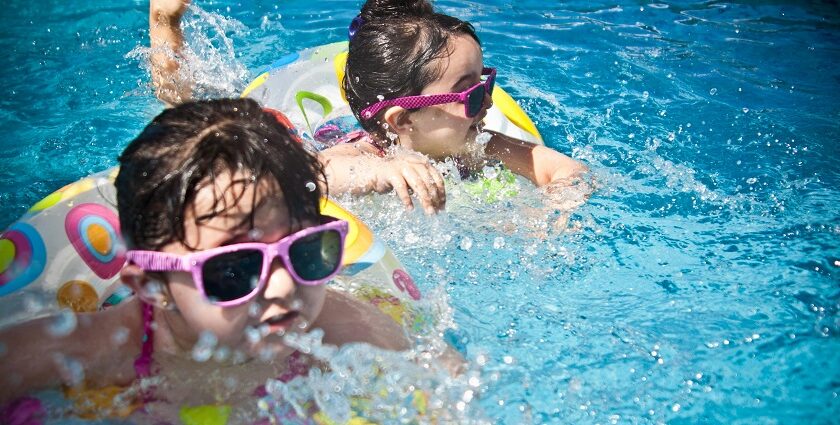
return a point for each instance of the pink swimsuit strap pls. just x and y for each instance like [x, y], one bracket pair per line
[143, 363]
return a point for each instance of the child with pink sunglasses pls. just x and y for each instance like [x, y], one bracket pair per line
[219, 209]
[416, 78]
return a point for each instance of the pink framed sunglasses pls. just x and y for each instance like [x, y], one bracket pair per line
[472, 98]
[232, 275]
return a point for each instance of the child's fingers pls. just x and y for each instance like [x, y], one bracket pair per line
[400, 186]
[436, 180]
[437, 198]
[421, 190]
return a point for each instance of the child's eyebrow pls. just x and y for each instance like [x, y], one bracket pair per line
[465, 79]
[245, 224]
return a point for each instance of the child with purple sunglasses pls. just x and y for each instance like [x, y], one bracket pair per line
[416, 78]
[219, 209]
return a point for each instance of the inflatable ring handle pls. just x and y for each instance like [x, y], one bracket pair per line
[317, 98]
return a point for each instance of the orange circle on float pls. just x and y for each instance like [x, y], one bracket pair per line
[78, 296]
[100, 238]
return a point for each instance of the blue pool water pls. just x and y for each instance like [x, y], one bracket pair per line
[699, 283]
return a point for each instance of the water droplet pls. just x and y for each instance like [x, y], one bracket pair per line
[675, 407]
[33, 303]
[490, 172]
[254, 310]
[411, 238]
[752, 180]
[153, 288]
[296, 304]
[120, 336]
[310, 186]
[499, 242]
[204, 347]
[255, 234]
[70, 369]
[466, 243]
[63, 324]
[222, 354]
[483, 138]
[713, 91]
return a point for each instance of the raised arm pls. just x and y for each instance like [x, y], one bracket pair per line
[167, 42]
[540, 164]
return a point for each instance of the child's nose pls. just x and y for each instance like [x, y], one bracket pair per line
[280, 285]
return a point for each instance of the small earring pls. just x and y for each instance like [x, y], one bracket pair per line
[164, 303]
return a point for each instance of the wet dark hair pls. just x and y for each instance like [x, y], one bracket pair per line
[391, 52]
[187, 147]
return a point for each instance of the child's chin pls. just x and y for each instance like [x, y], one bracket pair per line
[270, 348]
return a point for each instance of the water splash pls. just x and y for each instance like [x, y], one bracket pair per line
[204, 348]
[208, 60]
[377, 385]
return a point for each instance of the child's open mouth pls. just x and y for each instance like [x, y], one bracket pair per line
[281, 322]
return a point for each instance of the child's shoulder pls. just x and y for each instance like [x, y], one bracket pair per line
[345, 319]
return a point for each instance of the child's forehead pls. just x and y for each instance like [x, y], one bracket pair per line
[235, 199]
[464, 58]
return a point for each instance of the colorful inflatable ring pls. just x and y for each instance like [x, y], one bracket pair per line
[67, 252]
[306, 86]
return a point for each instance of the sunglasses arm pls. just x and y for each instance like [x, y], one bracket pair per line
[155, 261]
[412, 102]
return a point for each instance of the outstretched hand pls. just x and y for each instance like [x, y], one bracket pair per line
[407, 173]
[356, 168]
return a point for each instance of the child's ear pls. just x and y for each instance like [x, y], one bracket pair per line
[138, 281]
[398, 120]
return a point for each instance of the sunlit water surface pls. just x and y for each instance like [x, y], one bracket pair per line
[698, 283]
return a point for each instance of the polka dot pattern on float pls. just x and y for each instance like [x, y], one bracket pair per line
[22, 257]
[94, 231]
[78, 295]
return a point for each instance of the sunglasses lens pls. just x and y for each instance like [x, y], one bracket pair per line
[475, 101]
[231, 276]
[316, 256]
